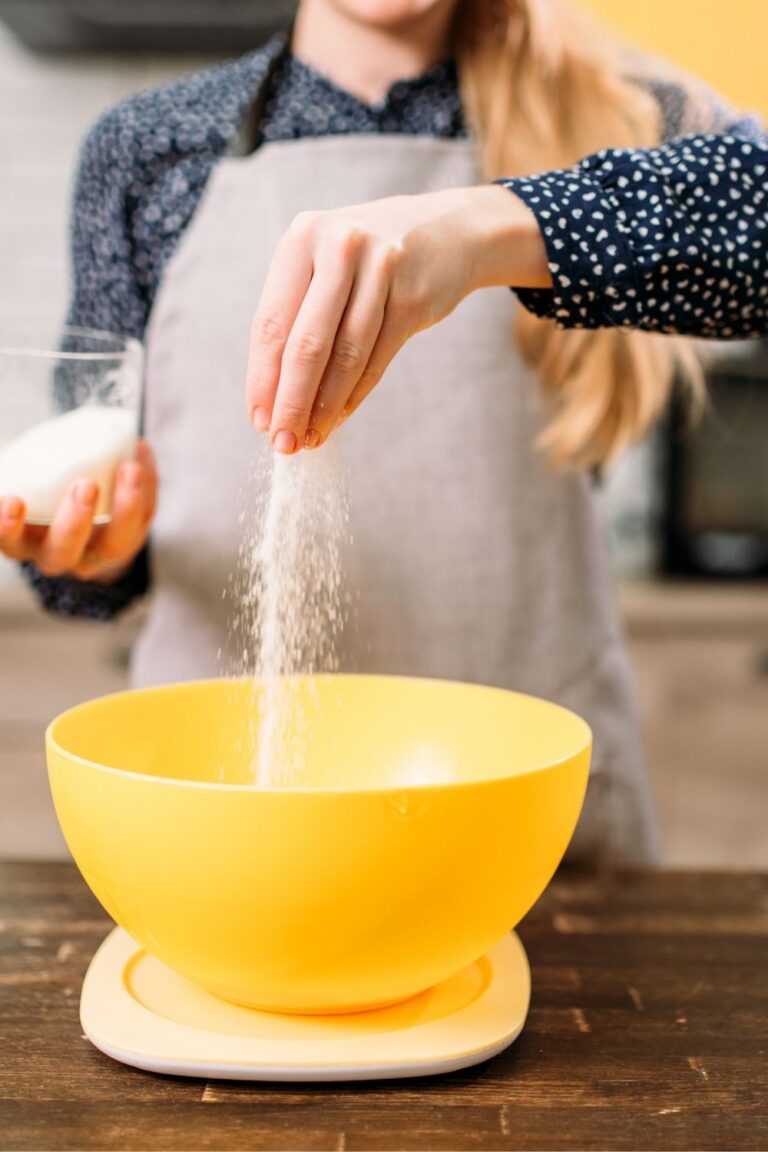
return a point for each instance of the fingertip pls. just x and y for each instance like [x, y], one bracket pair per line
[11, 510]
[131, 475]
[85, 493]
[261, 419]
[146, 458]
[144, 454]
[285, 442]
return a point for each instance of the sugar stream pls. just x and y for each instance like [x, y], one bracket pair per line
[291, 602]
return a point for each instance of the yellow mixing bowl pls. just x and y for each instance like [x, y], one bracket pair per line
[430, 817]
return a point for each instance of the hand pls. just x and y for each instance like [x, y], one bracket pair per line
[347, 288]
[71, 545]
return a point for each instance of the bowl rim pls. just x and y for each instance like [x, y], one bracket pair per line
[585, 746]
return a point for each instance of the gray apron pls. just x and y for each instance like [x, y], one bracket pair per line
[471, 560]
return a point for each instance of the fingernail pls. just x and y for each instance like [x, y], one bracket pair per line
[131, 475]
[285, 442]
[11, 509]
[312, 438]
[261, 419]
[85, 493]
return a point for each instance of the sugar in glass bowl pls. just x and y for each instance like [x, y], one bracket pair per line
[70, 401]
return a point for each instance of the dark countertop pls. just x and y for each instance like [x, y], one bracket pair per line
[647, 1031]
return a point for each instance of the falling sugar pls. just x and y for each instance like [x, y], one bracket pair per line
[292, 603]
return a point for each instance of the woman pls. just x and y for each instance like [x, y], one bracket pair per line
[473, 558]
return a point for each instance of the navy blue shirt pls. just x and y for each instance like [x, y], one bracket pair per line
[669, 239]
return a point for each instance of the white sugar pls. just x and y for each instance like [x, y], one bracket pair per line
[90, 442]
[293, 602]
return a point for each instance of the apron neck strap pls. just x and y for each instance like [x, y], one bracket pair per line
[247, 138]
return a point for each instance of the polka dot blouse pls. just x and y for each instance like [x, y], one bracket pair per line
[669, 239]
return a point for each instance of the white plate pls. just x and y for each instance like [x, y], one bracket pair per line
[138, 1011]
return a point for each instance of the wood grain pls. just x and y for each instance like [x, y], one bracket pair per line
[647, 1031]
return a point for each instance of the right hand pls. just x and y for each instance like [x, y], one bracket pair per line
[71, 545]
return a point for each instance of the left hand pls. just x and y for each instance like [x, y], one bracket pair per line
[347, 288]
[71, 545]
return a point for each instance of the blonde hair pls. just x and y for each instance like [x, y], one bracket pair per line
[545, 86]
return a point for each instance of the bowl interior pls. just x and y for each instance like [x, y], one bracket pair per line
[341, 733]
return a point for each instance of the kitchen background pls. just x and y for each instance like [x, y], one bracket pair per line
[700, 644]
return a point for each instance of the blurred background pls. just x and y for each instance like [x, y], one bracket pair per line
[686, 513]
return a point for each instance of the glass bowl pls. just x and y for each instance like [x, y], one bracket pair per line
[70, 402]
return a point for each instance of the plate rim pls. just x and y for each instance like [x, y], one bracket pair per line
[123, 1028]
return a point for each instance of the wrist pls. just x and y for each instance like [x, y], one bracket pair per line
[507, 247]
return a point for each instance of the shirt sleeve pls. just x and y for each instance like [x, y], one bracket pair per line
[105, 295]
[90, 600]
[669, 239]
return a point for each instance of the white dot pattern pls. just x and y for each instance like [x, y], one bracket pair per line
[670, 239]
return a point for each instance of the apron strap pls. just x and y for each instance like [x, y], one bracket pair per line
[247, 139]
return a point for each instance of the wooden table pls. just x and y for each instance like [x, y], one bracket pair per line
[648, 1030]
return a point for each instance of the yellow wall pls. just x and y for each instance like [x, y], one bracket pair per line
[723, 41]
